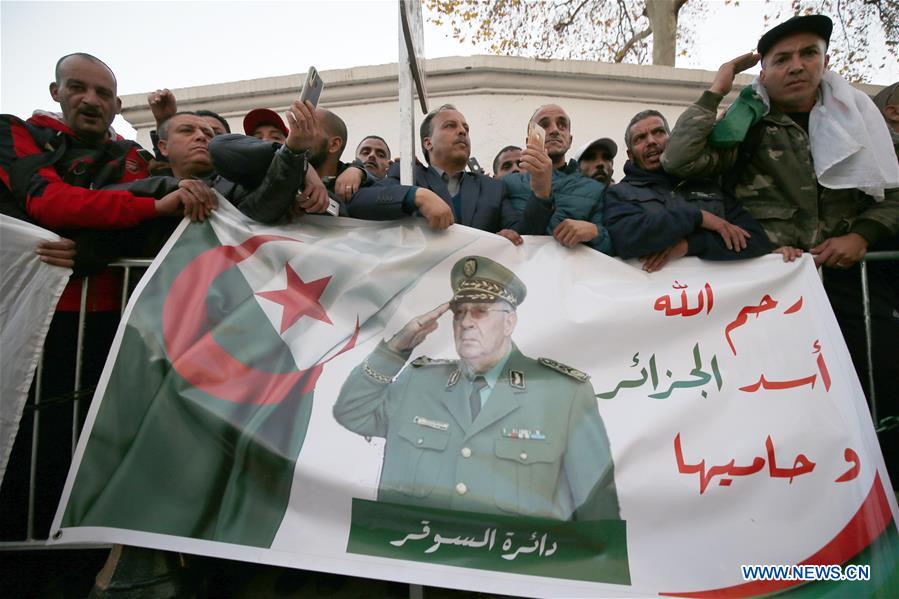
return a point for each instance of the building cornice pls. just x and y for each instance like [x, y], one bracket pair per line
[454, 76]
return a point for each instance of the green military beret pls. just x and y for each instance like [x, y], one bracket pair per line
[480, 279]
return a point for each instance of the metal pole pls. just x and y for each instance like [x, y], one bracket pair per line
[126, 279]
[869, 351]
[35, 431]
[79, 351]
[407, 106]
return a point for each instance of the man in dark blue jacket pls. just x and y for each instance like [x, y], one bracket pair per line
[656, 217]
[444, 193]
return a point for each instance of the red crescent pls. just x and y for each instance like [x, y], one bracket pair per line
[198, 357]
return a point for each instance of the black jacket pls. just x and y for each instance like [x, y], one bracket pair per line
[649, 211]
[484, 201]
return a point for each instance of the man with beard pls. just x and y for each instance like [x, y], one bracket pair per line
[444, 193]
[556, 199]
[374, 154]
[320, 139]
[657, 218]
[597, 160]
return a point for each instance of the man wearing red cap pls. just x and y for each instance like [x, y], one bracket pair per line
[265, 124]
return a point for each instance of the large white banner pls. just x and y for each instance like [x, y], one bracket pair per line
[647, 433]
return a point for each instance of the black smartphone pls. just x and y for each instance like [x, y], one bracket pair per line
[312, 87]
[474, 166]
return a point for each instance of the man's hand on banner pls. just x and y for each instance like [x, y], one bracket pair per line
[347, 183]
[734, 237]
[789, 252]
[840, 252]
[170, 204]
[199, 200]
[314, 197]
[417, 330]
[57, 253]
[571, 232]
[654, 262]
[431, 206]
[512, 236]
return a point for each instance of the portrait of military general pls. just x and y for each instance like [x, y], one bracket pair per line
[493, 431]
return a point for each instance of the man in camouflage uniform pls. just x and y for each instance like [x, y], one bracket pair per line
[495, 432]
[773, 173]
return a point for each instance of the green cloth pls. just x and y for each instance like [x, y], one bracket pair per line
[745, 112]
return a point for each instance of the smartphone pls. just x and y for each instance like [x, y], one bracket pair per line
[474, 166]
[333, 207]
[536, 134]
[312, 87]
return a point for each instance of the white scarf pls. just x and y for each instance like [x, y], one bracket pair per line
[851, 145]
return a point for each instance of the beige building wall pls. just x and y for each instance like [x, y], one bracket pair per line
[497, 95]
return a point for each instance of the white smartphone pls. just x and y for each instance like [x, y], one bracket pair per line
[312, 87]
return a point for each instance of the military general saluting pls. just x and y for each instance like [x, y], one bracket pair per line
[493, 432]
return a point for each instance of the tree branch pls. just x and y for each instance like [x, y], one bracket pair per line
[619, 56]
[563, 24]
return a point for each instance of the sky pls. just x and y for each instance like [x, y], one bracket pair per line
[152, 45]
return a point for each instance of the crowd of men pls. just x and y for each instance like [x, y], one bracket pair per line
[751, 182]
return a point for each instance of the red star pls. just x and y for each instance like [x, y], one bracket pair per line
[299, 299]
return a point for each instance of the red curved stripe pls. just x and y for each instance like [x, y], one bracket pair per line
[863, 528]
[193, 351]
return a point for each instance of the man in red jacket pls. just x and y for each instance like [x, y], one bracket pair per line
[51, 169]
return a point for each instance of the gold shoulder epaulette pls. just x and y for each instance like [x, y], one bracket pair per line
[574, 373]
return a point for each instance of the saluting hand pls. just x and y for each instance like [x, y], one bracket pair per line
[724, 79]
[417, 330]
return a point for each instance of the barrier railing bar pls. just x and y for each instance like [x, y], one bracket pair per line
[41, 545]
[32, 464]
[126, 279]
[79, 349]
[866, 307]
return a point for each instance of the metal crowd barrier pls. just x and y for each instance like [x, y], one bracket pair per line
[866, 305]
[130, 264]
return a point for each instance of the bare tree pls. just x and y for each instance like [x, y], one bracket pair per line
[857, 25]
[637, 30]
[607, 30]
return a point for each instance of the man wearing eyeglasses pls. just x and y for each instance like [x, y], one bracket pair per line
[495, 431]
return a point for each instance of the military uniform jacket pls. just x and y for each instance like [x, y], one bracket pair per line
[538, 447]
[774, 177]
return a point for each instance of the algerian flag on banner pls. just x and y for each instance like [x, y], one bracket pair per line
[227, 335]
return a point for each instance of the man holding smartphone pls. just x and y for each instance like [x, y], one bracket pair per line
[554, 196]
